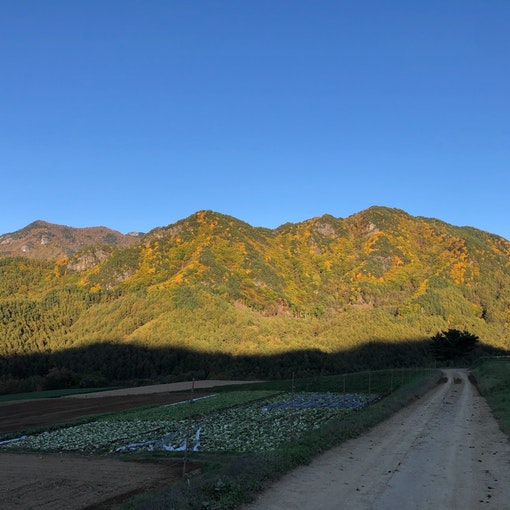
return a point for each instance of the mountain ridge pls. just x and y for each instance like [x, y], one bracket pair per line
[213, 283]
[25, 241]
[43, 240]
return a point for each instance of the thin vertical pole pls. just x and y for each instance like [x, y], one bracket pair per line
[293, 410]
[188, 430]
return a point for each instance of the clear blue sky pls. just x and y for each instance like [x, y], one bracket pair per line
[135, 114]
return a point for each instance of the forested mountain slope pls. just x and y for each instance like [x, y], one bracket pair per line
[212, 283]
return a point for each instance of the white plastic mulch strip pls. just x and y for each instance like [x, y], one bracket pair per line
[188, 401]
[160, 444]
[7, 441]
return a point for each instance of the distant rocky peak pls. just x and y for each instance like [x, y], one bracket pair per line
[43, 240]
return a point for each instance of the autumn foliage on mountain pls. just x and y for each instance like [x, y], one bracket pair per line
[212, 284]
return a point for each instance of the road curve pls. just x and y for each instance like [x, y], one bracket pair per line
[443, 452]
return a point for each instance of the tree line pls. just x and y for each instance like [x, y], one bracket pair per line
[108, 364]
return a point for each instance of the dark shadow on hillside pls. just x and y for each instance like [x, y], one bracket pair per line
[111, 363]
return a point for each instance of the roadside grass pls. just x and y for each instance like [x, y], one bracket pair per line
[493, 380]
[229, 481]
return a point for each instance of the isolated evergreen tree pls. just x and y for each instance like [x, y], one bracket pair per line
[452, 344]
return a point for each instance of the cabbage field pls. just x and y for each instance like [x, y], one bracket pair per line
[237, 421]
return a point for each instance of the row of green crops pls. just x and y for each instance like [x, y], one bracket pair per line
[231, 422]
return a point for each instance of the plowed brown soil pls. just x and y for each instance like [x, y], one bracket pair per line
[21, 415]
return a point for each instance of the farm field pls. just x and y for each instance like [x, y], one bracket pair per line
[59, 482]
[70, 481]
[106, 459]
[18, 415]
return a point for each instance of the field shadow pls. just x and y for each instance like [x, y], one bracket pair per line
[112, 363]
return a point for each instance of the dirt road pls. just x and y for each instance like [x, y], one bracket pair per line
[444, 452]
